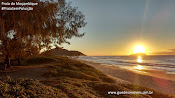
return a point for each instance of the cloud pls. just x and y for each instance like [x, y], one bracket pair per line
[166, 52]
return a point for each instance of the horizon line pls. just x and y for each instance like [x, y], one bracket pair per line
[129, 55]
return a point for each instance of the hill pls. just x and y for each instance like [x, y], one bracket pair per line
[63, 52]
[138, 54]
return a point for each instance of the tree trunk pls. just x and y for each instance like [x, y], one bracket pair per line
[7, 62]
[19, 62]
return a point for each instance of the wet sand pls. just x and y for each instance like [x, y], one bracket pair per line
[157, 80]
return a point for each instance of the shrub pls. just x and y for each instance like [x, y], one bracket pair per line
[40, 60]
[27, 88]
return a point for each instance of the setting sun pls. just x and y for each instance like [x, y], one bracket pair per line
[139, 49]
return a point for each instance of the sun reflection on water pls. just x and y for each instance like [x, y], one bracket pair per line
[139, 67]
[139, 59]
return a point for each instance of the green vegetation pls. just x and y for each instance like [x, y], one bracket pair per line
[24, 88]
[30, 61]
[70, 78]
[40, 60]
[75, 69]
[14, 62]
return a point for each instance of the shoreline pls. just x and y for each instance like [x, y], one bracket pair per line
[150, 72]
[157, 80]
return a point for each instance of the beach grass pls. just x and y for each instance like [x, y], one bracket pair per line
[25, 88]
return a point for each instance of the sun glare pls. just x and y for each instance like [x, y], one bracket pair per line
[139, 49]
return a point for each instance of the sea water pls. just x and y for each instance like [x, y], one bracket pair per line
[138, 63]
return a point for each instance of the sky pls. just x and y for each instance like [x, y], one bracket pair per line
[115, 27]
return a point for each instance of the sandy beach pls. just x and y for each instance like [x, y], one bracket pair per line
[157, 80]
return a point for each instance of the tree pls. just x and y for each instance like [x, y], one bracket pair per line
[51, 22]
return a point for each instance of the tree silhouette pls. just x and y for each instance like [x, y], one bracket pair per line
[25, 33]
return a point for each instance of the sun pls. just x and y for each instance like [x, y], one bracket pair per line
[139, 49]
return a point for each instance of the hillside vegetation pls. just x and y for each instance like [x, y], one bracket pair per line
[14, 88]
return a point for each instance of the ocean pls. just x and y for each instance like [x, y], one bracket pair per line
[141, 64]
